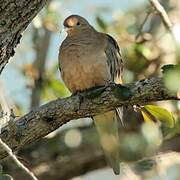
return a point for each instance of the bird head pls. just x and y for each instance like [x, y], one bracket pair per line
[75, 24]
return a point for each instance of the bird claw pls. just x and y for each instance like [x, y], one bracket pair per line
[122, 92]
[94, 91]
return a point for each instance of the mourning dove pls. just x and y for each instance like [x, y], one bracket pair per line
[87, 59]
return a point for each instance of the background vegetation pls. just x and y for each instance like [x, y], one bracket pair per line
[32, 78]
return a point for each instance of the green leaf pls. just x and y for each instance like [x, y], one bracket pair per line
[172, 79]
[168, 133]
[59, 88]
[147, 117]
[142, 49]
[171, 76]
[168, 67]
[161, 115]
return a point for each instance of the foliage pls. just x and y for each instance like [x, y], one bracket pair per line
[150, 112]
[146, 47]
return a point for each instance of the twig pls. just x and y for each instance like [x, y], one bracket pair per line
[167, 23]
[162, 13]
[5, 114]
[8, 114]
[142, 25]
[18, 163]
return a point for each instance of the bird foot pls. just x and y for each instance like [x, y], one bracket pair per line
[94, 92]
[121, 92]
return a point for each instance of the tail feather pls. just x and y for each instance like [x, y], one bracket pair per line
[107, 127]
[119, 115]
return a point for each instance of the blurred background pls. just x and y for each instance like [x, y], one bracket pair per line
[32, 78]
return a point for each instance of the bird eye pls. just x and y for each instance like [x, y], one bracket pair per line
[78, 23]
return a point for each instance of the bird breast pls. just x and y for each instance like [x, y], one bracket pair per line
[83, 66]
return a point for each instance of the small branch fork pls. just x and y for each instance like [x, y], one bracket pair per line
[8, 115]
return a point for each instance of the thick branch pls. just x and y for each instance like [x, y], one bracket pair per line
[45, 119]
[14, 18]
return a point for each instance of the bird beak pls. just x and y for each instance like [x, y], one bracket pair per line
[63, 32]
[65, 29]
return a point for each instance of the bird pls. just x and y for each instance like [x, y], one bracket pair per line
[87, 59]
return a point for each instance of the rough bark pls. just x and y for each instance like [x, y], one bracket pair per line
[15, 15]
[45, 119]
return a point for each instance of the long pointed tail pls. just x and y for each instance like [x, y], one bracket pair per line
[107, 127]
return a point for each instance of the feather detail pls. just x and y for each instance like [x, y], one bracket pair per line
[107, 128]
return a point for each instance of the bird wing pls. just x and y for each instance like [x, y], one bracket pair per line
[114, 59]
[106, 124]
[115, 63]
[107, 128]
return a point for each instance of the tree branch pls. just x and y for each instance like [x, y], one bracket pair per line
[162, 13]
[45, 119]
[9, 116]
[15, 17]
[85, 157]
